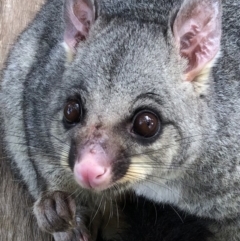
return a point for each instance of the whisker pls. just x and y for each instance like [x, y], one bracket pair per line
[165, 179]
[177, 213]
[92, 219]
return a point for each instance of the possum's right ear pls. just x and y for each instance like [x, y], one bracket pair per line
[79, 17]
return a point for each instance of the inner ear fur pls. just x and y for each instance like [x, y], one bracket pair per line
[197, 33]
[79, 16]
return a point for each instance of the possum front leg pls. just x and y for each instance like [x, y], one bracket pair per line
[56, 213]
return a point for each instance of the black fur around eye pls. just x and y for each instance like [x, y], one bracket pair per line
[72, 112]
[146, 124]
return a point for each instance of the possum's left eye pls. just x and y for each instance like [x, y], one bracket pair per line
[146, 124]
[72, 112]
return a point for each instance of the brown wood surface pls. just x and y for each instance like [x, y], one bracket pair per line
[14, 17]
[16, 220]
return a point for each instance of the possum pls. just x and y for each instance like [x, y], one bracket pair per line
[104, 97]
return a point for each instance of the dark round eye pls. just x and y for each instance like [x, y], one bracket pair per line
[146, 124]
[72, 112]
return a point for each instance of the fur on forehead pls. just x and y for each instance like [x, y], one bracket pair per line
[151, 10]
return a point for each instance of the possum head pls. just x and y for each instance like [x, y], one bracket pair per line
[136, 95]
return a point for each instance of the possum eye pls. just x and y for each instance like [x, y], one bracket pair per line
[72, 112]
[146, 124]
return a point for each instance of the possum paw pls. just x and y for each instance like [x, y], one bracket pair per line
[79, 232]
[55, 212]
[73, 235]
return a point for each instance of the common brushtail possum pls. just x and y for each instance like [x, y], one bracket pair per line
[103, 97]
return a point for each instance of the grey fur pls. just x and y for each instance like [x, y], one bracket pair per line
[196, 158]
[17, 222]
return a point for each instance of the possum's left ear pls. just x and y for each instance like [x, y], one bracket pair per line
[79, 17]
[197, 32]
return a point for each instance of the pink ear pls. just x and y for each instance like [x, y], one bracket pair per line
[197, 31]
[79, 16]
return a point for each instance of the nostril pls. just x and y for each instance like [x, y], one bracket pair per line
[103, 173]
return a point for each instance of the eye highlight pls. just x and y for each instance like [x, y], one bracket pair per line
[146, 124]
[72, 112]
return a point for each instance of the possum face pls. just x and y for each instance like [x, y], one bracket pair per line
[132, 104]
[117, 125]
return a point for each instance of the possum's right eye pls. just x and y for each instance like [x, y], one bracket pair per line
[72, 112]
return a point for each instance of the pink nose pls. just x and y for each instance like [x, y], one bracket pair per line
[92, 174]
